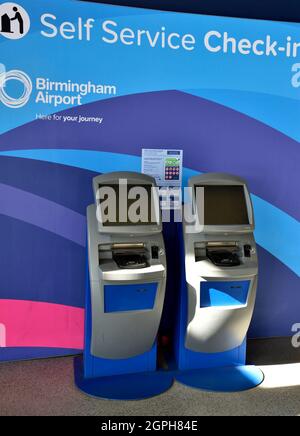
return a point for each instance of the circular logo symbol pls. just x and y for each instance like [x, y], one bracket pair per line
[14, 21]
[24, 79]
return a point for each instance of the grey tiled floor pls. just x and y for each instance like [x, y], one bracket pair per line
[46, 387]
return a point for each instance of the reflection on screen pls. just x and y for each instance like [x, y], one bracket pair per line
[224, 205]
[140, 205]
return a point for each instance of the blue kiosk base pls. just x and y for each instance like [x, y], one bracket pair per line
[222, 379]
[137, 386]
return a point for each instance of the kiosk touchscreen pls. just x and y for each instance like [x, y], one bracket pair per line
[126, 277]
[218, 289]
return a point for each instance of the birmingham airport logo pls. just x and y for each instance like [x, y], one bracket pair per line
[14, 21]
[14, 76]
[126, 204]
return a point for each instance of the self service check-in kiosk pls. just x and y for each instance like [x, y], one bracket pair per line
[126, 289]
[218, 289]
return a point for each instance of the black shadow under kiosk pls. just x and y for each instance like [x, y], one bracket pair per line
[218, 288]
[125, 290]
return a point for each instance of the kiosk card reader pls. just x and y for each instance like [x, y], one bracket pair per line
[126, 281]
[218, 289]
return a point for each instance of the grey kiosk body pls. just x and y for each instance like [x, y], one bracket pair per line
[221, 270]
[127, 274]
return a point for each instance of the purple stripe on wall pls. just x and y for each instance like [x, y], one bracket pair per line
[43, 213]
[212, 136]
[66, 185]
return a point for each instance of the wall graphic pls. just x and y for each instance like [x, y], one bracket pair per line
[83, 89]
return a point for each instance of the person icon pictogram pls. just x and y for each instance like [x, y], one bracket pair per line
[19, 18]
[14, 21]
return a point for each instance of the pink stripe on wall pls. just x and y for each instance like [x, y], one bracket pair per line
[35, 324]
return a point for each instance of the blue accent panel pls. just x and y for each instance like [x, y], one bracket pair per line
[268, 218]
[227, 379]
[123, 387]
[121, 298]
[10, 354]
[95, 367]
[187, 359]
[224, 293]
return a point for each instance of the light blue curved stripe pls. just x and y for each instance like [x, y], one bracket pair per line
[276, 231]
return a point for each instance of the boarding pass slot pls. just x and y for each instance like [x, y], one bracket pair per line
[125, 256]
[220, 253]
[121, 246]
